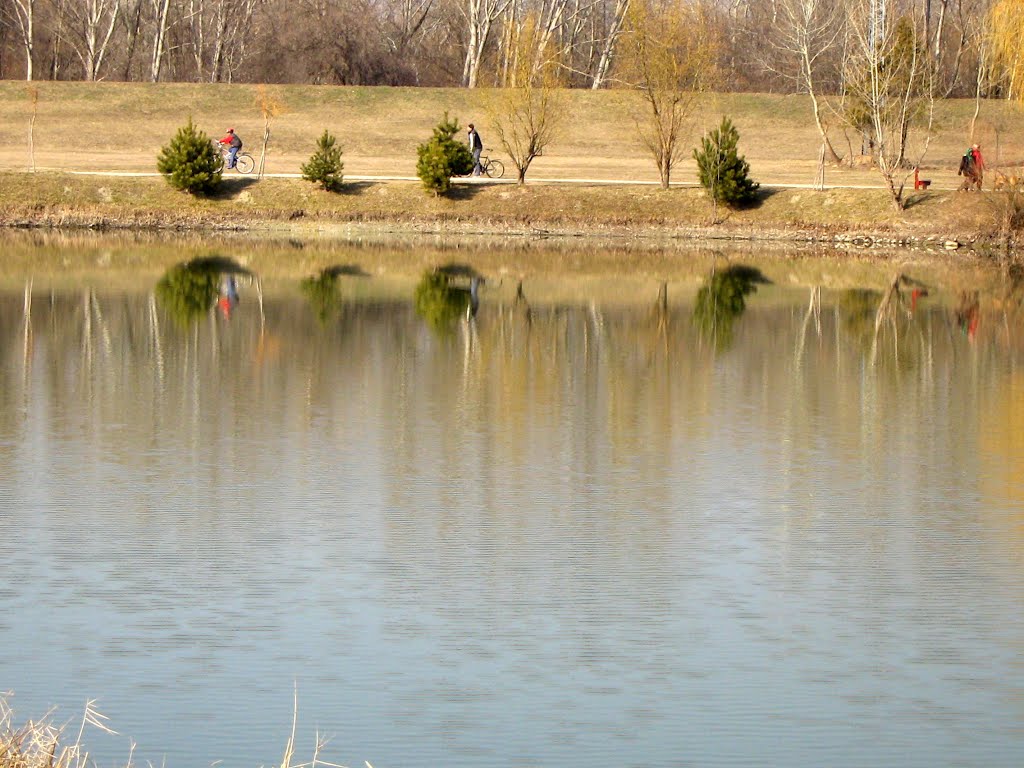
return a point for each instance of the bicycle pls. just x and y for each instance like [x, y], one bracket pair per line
[493, 169]
[243, 160]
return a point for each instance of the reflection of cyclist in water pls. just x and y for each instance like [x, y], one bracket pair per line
[228, 299]
[967, 314]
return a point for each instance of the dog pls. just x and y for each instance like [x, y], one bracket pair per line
[1007, 181]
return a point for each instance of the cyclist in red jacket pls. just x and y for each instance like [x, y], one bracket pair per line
[234, 145]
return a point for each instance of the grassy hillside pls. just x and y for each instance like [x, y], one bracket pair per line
[117, 126]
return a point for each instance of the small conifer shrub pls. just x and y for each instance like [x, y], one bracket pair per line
[442, 157]
[325, 166]
[191, 162]
[721, 170]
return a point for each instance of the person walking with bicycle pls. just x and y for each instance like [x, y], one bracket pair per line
[234, 145]
[476, 146]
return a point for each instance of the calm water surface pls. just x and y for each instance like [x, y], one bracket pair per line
[572, 533]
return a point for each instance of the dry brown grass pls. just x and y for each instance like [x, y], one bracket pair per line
[284, 205]
[117, 126]
[37, 743]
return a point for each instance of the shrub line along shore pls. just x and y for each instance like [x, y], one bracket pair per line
[835, 215]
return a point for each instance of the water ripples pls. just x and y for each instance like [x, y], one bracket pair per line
[609, 570]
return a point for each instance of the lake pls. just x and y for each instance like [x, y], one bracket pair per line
[659, 508]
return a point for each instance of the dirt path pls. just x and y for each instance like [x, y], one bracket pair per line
[482, 181]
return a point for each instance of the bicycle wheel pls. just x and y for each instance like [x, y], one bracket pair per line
[494, 169]
[219, 168]
[244, 163]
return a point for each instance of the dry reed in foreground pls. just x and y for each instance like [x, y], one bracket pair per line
[37, 743]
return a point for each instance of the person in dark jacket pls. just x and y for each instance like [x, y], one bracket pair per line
[476, 146]
[234, 145]
[972, 168]
[979, 165]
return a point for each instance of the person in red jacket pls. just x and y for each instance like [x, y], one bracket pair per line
[234, 145]
[979, 164]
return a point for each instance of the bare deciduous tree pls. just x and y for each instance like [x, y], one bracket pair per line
[160, 9]
[452, 42]
[668, 54]
[611, 39]
[24, 13]
[90, 26]
[805, 32]
[480, 17]
[891, 85]
[526, 116]
[270, 105]
[218, 31]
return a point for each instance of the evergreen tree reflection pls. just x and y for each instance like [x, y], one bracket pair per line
[187, 291]
[723, 299]
[321, 291]
[440, 301]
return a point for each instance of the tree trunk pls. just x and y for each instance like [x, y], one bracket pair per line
[156, 62]
[133, 27]
[833, 157]
[25, 11]
[34, 96]
[608, 49]
[91, 40]
[472, 62]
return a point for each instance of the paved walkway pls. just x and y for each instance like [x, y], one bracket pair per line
[467, 180]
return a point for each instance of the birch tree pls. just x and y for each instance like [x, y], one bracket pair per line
[218, 30]
[24, 15]
[480, 17]
[891, 89]
[160, 9]
[554, 19]
[90, 26]
[610, 41]
[807, 31]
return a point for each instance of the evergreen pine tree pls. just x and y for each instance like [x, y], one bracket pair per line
[324, 166]
[190, 162]
[721, 170]
[442, 157]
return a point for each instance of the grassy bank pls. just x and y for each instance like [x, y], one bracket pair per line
[121, 126]
[108, 127]
[59, 199]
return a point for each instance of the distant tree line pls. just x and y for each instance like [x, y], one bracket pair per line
[763, 45]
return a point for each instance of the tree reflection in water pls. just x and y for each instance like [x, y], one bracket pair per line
[187, 291]
[857, 310]
[439, 301]
[722, 299]
[321, 292]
